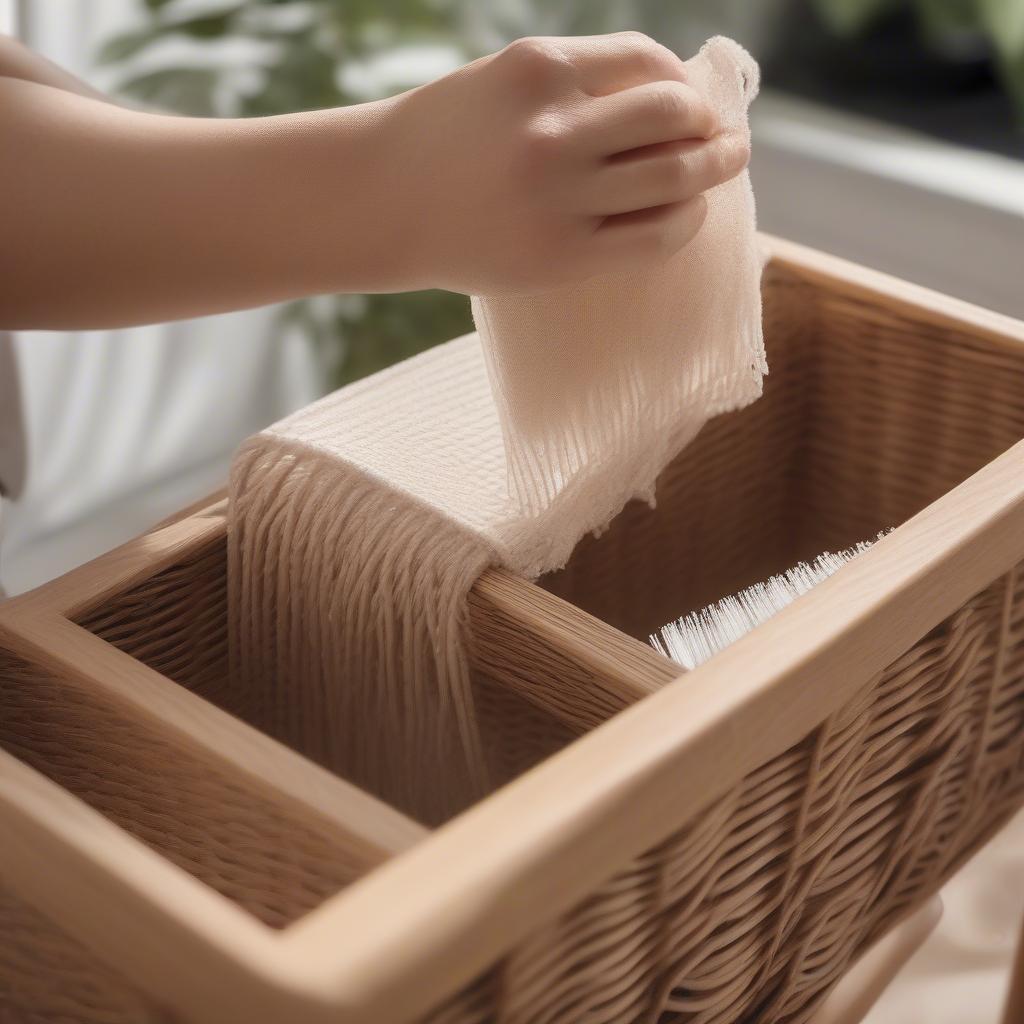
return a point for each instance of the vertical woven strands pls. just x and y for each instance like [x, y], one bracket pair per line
[600, 384]
[355, 612]
[348, 581]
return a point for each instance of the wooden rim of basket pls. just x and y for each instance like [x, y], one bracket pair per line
[615, 792]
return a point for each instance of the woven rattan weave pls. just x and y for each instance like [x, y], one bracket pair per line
[721, 852]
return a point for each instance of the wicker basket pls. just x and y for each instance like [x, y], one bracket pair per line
[723, 851]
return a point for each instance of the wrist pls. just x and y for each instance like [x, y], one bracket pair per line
[352, 193]
[305, 196]
[401, 201]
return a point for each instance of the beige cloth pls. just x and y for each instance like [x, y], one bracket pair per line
[359, 525]
[599, 384]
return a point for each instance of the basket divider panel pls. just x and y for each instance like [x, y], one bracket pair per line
[579, 669]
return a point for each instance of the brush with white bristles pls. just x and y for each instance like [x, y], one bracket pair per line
[693, 639]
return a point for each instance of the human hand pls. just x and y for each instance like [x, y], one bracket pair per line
[556, 159]
[549, 162]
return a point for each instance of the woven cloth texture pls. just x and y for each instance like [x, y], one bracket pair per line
[598, 384]
[358, 525]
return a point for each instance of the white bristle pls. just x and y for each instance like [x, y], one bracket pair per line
[696, 637]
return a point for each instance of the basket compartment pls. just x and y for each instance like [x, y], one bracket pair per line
[868, 416]
[745, 908]
[176, 623]
[270, 856]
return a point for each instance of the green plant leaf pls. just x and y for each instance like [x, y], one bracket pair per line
[185, 90]
[1004, 20]
[849, 17]
[939, 16]
[394, 327]
[1012, 74]
[211, 26]
[125, 45]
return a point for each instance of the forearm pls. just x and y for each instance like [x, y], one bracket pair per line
[549, 162]
[113, 217]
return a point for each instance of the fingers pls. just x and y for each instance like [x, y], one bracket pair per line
[665, 174]
[610, 147]
[609, 63]
[644, 236]
[644, 115]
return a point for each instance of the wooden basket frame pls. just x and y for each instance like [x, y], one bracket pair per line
[438, 908]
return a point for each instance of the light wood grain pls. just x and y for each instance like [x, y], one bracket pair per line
[202, 507]
[365, 830]
[839, 276]
[568, 663]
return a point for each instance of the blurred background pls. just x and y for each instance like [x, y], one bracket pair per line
[888, 131]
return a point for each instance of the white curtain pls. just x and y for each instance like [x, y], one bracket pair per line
[124, 427]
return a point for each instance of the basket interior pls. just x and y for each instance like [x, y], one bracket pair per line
[869, 414]
[271, 857]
